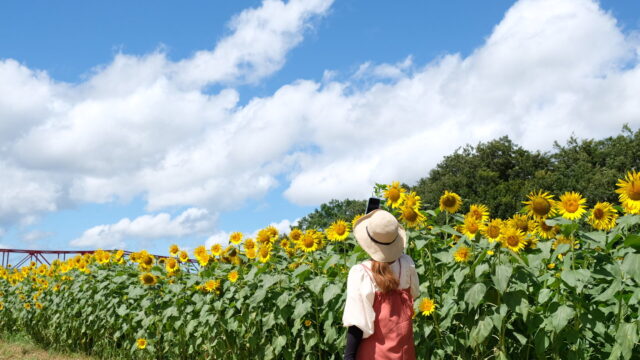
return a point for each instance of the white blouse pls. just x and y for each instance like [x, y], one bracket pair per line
[361, 289]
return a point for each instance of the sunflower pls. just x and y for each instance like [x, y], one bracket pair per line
[264, 253]
[513, 238]
[27, 306]
[173, 250]
[540, 204]
[411, 199]
[493, 229]
[355, 220]
[216, 249]
[450, 202]
[204, 259]
[230, 251]
[522, 222]
[212, 286]
[233, 276]
[471, 226]
[308, 242]
[267, 235]
[251, 253]
[294, 235]
[427, 306]
[141, 343]
[201, 255]
[479, 211]
[82, 265]
[393, 194]
[39, 306]
[338, 231]
[412, 217]
[462, 254]
[148, 279]
[171, 265]
[571, 205]
[235, 238]
[146, 262]
[603, 216]
[630, 210]
[1, 306]
[118, 257]
[546, 231]
[183, 256]
[308, 323]
[629, 190]
[569, 240]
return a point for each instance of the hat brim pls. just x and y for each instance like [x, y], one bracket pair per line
[378, 252]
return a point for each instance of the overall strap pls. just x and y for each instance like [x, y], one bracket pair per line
[366, 269]
[400, 272]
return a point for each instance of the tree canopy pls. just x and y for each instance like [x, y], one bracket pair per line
[500, 174]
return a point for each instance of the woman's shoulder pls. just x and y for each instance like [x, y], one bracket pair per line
[406, 259]
[360, 267]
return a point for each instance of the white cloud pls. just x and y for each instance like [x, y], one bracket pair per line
[141, 117]
[261, 38]
[193, 221]
[144, 125]
[35, 235]
[220, 237]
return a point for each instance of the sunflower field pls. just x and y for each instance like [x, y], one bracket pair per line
[559, 279]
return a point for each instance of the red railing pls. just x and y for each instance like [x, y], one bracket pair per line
[38, 256]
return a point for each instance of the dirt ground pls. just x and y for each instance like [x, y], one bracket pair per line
[14, 349]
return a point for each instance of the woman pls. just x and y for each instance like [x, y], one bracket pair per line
[380, 293]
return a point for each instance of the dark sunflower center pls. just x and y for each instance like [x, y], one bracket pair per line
[340, 229]
[598, 214]
[513, 240]
[634, 190]
[308, 242]
[541, 207]
[394, 194]
[264, 252]
[493, 231]
[571, 205]
[473, 227]
[449, 201]
[410, 215]
[545, 227]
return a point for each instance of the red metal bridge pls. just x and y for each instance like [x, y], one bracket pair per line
[18, 257]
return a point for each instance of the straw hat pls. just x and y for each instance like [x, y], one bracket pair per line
[380, 235]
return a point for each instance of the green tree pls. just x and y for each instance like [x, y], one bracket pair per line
[498, 173]
[329, 212]
[592, 167]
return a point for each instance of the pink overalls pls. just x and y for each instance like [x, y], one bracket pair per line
[392, 337]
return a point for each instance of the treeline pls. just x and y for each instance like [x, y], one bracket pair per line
[500, 174]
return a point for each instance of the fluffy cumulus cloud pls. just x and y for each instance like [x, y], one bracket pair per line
[145, 125]
[193, 221]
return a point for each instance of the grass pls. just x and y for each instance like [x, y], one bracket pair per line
[16, 347]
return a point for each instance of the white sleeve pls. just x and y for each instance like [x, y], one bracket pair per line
[358, 310]
[413, 277]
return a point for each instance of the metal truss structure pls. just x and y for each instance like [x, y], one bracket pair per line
[40, 256]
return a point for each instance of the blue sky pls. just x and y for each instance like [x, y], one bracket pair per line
[141, 124]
